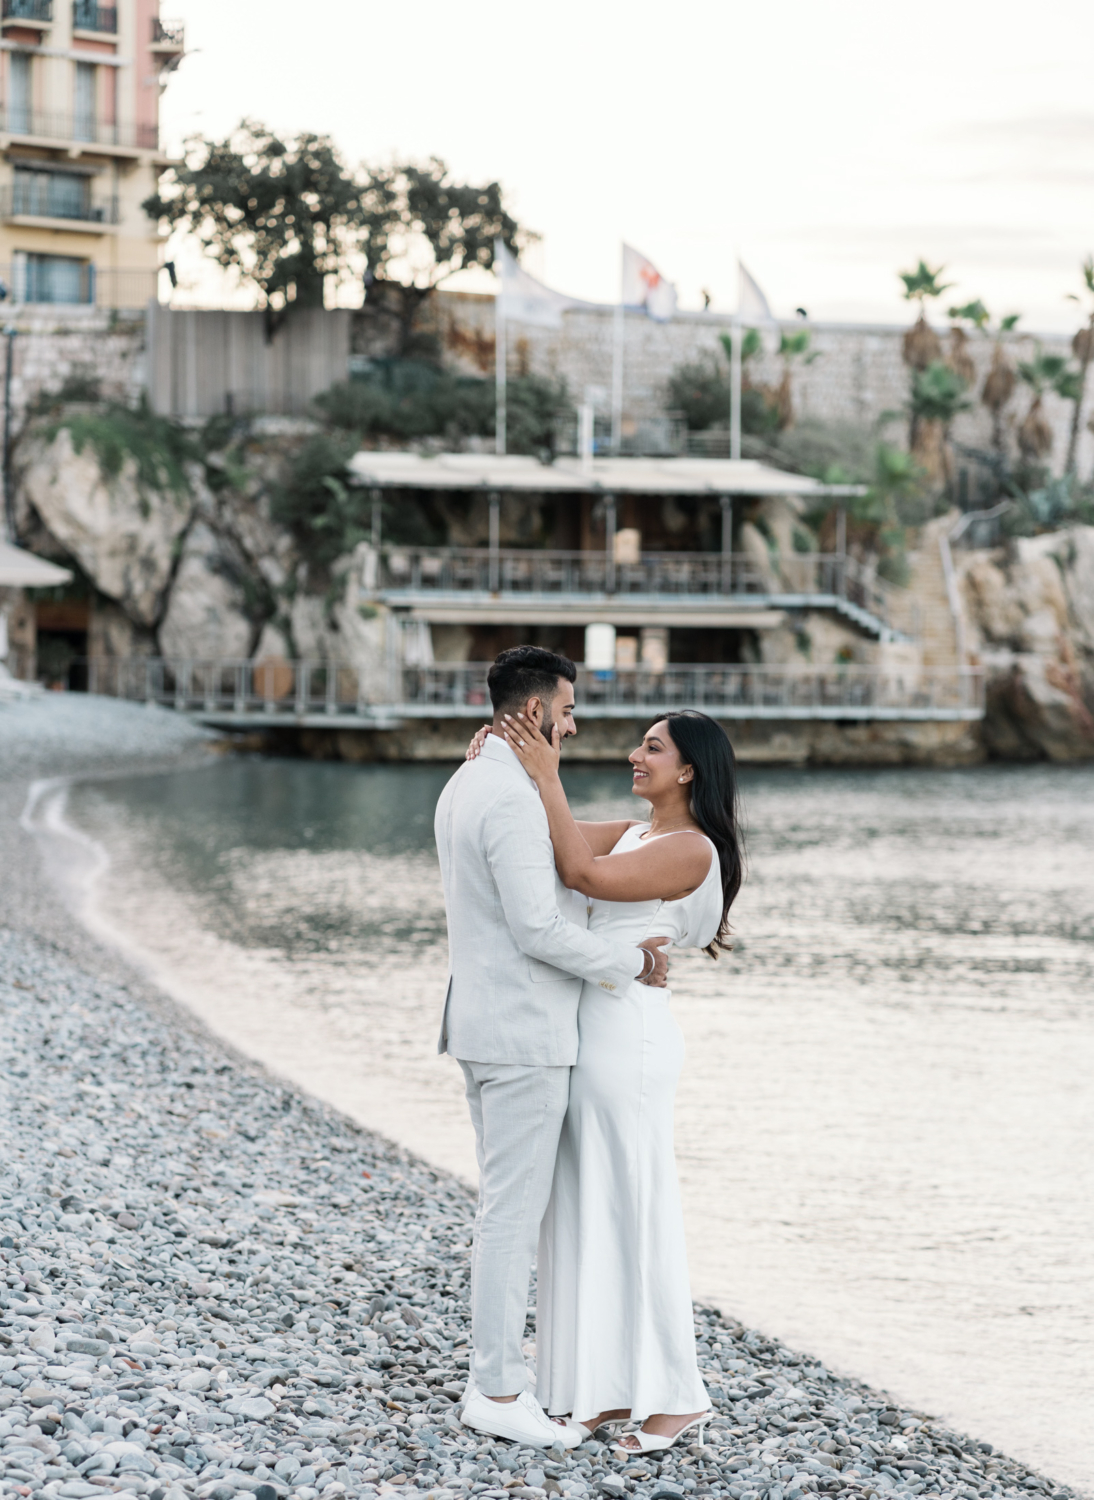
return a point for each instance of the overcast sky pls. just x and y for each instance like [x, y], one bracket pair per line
[829, 143]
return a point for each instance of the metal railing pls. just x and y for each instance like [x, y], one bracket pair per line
[28, 10]
[232, 684]
[80, 285]
[530, 571]
[87, 16]
[737, 691]
[302, 689]
[84, 129]
[44, 197]
[170, 33]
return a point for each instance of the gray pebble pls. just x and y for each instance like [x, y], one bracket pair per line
[212, 1286]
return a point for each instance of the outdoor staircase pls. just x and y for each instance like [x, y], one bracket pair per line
[922, 610]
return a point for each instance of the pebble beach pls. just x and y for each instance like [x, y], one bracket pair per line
[211, 1283]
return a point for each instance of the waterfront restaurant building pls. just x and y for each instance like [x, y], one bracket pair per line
[620, 564]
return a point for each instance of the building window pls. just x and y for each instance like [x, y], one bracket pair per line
[83, 124]
[52, 195]
[52, 278]
[19, 93]
[89, 16]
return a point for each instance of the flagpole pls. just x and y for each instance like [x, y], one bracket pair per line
[500, 367]
[735, 389]
[617, 381]
[617, 361]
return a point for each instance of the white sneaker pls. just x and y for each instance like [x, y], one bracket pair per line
[520, 1421]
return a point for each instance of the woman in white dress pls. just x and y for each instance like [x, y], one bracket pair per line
[614, 1331]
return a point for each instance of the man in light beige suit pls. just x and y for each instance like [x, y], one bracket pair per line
[518, 952]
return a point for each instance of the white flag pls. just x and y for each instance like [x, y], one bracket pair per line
[644, 286]
[523, 298]
[751, 303]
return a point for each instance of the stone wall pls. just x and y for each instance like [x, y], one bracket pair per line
[53, 344]
[858, 377]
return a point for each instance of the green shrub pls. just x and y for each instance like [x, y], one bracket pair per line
[404, 399]
[315, 501]
[701, 391]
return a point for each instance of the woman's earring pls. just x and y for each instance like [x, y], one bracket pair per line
[680, 780]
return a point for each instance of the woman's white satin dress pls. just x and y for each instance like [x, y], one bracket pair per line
[614, 1324]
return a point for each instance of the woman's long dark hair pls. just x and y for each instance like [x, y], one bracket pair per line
[704, 746]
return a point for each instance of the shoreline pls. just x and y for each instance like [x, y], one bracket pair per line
[179, 1179]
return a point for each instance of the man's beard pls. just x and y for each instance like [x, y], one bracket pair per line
[548, 725]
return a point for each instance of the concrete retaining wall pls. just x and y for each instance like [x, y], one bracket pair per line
[759, 742]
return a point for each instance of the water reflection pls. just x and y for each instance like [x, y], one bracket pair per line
[884, 1130]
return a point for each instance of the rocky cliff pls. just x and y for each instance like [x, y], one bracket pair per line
[185, 559]
[191, 556]
[1029, 616]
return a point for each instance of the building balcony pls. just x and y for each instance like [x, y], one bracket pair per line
[168, 36]
[273, 693]
[87, 16]
[34, 13]
[528, 586]
[34, 280]
[75, 132]
[42, 205]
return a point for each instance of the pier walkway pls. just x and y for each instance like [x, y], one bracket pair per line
[275, 693]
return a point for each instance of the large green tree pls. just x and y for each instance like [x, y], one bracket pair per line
[287, 214]
[420, 228]
[283, 214]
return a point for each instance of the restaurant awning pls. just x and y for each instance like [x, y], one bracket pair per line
[20, 569]
[613, 476]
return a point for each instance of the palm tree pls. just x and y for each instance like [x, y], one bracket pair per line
[792, 346]
[938, 394]
[1082, 346]
[922, 345]
[1043, 373]
[1001, 379]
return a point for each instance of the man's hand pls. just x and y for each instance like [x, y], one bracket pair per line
[658, 975]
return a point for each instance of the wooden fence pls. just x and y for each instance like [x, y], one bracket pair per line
[203, 363]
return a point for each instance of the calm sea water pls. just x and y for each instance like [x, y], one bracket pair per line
[885, 1127]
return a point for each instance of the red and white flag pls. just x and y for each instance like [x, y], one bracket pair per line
[645, 287]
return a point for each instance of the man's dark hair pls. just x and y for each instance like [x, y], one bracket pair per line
[526, 672]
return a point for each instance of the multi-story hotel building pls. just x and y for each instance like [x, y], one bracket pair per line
[79, 148]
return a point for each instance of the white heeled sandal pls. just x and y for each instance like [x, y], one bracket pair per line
[609, 1422]
[657, 1442]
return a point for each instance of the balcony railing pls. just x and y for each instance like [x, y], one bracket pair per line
[168, 33]
[48, 200]
[278, 689]
[77, 283]
[50, 126]
[87, 16]
[733, 691]
[679, 574]
[39, 12]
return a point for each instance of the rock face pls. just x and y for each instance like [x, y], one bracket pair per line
[122, 536]
[205, 614]
[1029, 611]
[343, 630]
